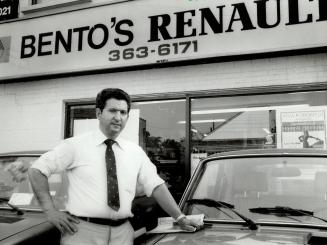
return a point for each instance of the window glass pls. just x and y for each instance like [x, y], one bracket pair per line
[272, 181]
[293, 120]
[79, 115]
[16, 187]
[162, 136]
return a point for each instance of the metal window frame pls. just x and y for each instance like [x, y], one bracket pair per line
[189, 95]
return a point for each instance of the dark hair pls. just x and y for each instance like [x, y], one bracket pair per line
[109, 93]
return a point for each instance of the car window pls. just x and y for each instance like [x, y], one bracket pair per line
[252, 182]
[15, 186]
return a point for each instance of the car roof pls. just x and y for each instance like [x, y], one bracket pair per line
[271, 151]
[23, 153]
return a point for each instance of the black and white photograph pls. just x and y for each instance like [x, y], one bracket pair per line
[163, 122]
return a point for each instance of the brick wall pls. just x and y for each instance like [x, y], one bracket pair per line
[32, 113]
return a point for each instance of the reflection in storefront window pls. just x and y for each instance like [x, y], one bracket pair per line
[218, 124]
[295, 120]
[158, 133]
[163, 139]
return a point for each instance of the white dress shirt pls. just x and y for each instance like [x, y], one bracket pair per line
[83, 157]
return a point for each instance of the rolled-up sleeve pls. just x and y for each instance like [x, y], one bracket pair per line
[148, 177]
[56, 160]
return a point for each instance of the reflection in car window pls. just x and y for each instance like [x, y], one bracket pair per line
[7, 184]
[15, 184]
[296, 182]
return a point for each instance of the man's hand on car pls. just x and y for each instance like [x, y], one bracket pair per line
[190, 225]
[63, 221]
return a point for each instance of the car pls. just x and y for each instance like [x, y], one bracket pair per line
[21, 219]
[265, 196]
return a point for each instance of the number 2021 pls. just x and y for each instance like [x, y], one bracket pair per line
[5, 10]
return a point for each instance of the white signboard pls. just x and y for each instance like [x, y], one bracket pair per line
[21, 199]
[143, 32]
[303, 128]
[130, 132]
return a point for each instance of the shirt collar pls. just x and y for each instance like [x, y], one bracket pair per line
[99, 139]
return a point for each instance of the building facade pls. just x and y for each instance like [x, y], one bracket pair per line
[205, 77]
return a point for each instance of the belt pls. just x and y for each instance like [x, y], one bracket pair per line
[100, 221]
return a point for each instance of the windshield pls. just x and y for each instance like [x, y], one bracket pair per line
[18, 190]
[252, 182]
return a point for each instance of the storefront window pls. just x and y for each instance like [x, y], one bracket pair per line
[157, 126]
[162, 136]
[79, 118]
[218, 124]
[292, 120]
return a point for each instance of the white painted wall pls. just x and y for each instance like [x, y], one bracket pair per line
[32, 113]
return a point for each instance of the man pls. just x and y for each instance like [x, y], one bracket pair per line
[96, 163]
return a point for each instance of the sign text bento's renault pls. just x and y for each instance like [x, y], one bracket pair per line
[115, 35]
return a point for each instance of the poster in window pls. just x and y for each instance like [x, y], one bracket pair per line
[302, 128]
[4, 49]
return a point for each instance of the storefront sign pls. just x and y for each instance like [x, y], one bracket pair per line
[154, 31]
[8, 9]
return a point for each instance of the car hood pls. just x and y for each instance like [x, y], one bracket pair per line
[11, 225]
[220, 235]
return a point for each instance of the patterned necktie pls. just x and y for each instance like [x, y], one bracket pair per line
[112, 183]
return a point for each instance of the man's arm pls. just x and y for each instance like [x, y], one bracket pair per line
[63, 221]
[167, 203]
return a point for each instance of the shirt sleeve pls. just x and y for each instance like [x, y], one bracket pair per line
[148, 179]
[56, 160]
